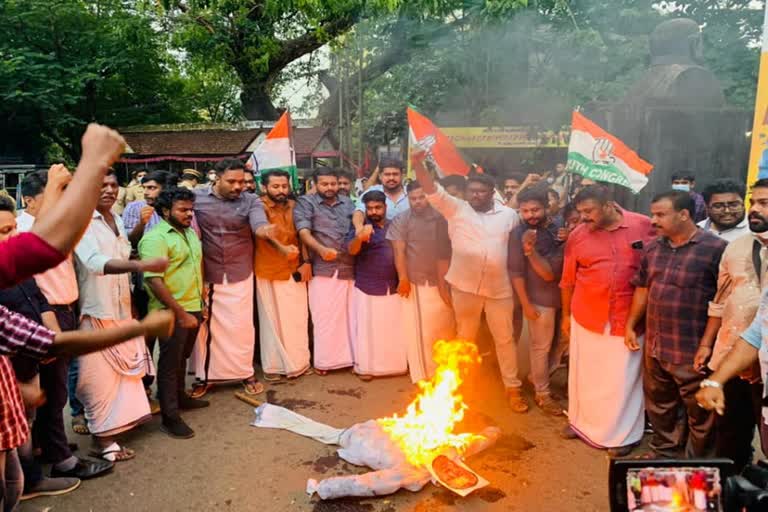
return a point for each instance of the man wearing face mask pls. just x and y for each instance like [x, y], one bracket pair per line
[739, 282]
[725, 205]
[686, 182]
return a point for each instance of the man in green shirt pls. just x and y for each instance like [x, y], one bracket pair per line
[179, 288]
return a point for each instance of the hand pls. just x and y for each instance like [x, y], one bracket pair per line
[702, 357]
[711, 399]
[146, 214]
[306, 272]
[529, 241]
[102, 146]
[530, 180]
[59, 176]
[329, 254]
[630, 340]
[364, 234]
[31, 393]
[158, 324]
[404, 287]
[531, 312]
[562, 234]
[291, 252]
[153, 265]
[187, 321]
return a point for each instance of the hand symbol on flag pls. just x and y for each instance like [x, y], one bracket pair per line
[602, 153]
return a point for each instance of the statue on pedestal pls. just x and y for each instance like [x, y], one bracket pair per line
[676, 76]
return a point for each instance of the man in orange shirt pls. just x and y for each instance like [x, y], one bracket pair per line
[605, 392]
[281, 286]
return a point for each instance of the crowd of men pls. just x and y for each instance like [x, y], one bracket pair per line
[659, 314]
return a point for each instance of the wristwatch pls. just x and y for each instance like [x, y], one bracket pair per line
[708, 383]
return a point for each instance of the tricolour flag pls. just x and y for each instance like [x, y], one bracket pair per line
[276, 151]
[598, 155]
[427, 145]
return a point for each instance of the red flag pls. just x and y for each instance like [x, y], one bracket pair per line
[431, 147]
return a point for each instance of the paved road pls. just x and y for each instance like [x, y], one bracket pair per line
[232, 466]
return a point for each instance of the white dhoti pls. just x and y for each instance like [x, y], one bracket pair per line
[330, 301]
[225, 343]
[379, 346]
[605, 389]
[109, 383]
[427, 319]
[283, 326]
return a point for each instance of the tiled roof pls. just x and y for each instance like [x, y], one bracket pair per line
[214, 141]
[305, 140]
[192, 142]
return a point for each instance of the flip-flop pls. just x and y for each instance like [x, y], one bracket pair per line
[114, 453]
[253, 387]
[273, 377]
[200, 389]
[79, 425]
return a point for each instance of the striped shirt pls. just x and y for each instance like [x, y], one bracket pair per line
[19, 335]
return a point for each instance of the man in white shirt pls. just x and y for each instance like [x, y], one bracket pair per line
[109, 381]
[725, 205]
[59, 286]
[479, 231]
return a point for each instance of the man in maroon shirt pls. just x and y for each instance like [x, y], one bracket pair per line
[604, 383]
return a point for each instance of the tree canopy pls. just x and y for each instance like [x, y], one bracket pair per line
[123, 62]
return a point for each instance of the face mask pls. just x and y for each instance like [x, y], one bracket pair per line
[762, 236]
[681, 187]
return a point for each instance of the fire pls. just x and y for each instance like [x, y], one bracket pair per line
[426, 429]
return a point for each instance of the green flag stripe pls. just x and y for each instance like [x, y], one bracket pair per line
[579, 164]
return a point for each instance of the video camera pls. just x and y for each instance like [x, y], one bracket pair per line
[687, 486]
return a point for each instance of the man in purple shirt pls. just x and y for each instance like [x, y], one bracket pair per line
[378, 341]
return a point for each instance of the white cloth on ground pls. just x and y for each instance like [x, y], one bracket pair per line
[109, 383]
[232, 335]
[330, 301]
[605, 389]
[427, 319]
[379, 343]
[283, 326]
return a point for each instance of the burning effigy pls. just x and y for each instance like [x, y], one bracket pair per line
[404, 451]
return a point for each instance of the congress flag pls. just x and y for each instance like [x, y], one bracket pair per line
[276, 151]
[428, 146]
[598, 155]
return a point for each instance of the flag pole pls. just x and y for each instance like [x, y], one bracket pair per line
[758, 154]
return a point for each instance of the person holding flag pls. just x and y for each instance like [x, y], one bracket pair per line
[602, 254]
[479, 229]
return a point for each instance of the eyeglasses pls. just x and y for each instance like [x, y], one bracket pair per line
[721, 207]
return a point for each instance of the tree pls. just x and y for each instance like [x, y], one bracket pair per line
[533, 63]
[66, 63]
[258, 39]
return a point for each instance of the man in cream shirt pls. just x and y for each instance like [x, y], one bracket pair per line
[479, 230]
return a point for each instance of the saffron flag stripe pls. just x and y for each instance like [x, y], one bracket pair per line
[583, 124]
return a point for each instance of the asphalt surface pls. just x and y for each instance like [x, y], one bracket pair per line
[232, 466]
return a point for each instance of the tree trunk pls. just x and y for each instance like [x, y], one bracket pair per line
[257, 105]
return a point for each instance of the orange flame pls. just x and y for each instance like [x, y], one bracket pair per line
[427, 427]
